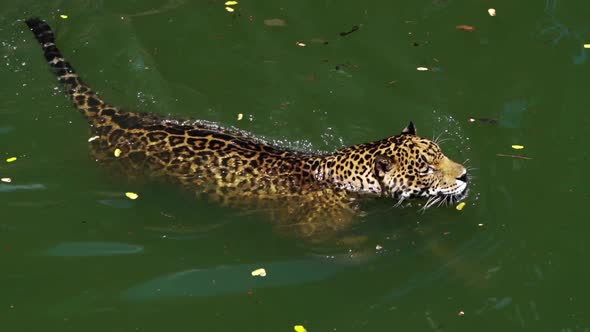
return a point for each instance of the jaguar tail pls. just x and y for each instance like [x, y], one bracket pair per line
[83, 97]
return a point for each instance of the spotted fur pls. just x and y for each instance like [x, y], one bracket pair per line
[311, 194]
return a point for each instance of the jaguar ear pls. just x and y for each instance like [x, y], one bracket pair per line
[382, 165]
[410, 129]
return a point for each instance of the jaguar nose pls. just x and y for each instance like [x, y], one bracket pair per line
[463, 178]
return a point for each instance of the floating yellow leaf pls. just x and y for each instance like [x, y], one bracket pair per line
[231, 3]
[460, 206]
[299, 328]
[586, 45]
[229, 9]
[63, 16]
[117, 152]
[240, 116]
[7, 180]
[131, 195]
[11, 159]
[259, 273]
[518, 147]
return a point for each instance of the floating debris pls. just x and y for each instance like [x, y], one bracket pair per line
[300, 44]
[492, 12]
[231, 3]
[259, 273]
[463, 27]
[484, 120]
[517, 147]
[63, 16]
[117, 153]
[353, 29]
[460, 206]
[461, 313]
[422, 69]
[240, 116]
[11, 159]
[93, 138]
[6, 180]
[299, 328]
[275, 22]
[513, 156]
[132, 195]
[378, 247]
[586, 45]
[229, 9]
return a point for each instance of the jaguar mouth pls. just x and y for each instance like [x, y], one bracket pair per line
[442, 198]
[456, 198]
[451, 198]
[461, 188]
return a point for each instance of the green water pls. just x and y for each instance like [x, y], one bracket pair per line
[76, 255]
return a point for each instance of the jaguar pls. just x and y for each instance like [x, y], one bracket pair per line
[311, 194]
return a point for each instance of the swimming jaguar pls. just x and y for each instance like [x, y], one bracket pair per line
[310, 194]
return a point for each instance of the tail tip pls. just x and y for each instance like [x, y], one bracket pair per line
[41, 30]
[33, 22]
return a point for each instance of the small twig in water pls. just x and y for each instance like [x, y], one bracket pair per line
[484, 120]
[354, 28]
[513, 156]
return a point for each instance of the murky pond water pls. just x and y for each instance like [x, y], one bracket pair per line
[76, 254]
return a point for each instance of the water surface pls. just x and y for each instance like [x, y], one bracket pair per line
[77, 255]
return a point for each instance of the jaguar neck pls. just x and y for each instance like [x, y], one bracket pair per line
[347, 169]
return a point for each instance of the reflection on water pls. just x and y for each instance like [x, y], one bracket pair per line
[6, 188]
[5, 130]
[117, 203]
[452, 266]
[513, 114]
[233, 279]
[86, 249]
[557, 31]
[168, 6]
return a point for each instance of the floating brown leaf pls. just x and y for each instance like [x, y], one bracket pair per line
[464, 27]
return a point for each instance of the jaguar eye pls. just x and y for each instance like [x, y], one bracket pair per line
[429, 170]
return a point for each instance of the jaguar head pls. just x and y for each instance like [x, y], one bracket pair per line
[408, 166]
